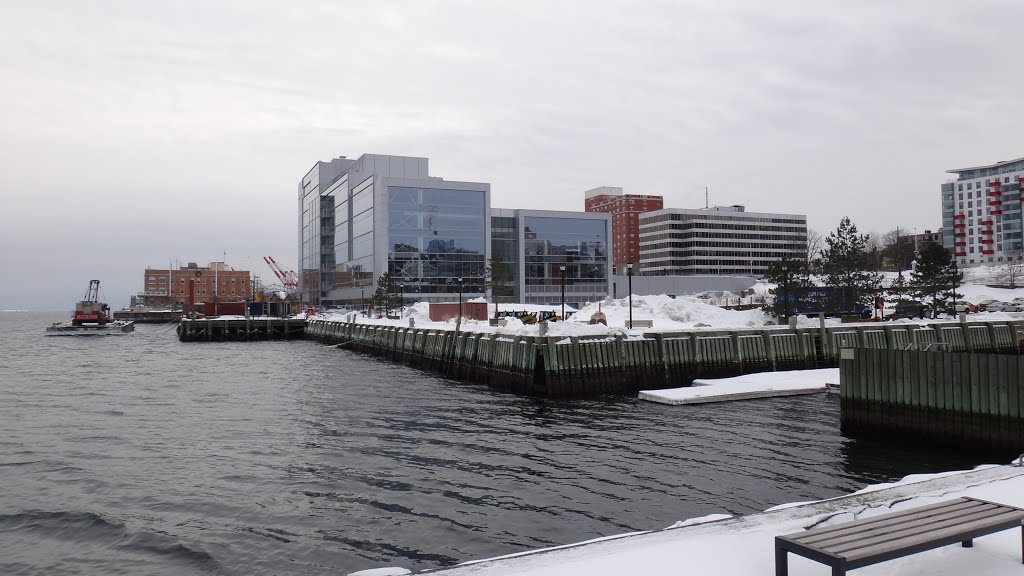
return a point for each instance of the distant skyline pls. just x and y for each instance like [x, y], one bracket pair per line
[135, 133]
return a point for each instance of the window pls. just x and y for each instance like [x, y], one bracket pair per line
[152, 279]
[970, 194]
[969, 184]
[961, 190]
[163, 280]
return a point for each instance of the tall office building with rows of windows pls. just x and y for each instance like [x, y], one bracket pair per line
[982, 207]
[722, 240]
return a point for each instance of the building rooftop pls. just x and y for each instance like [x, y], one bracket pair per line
[603, 191]
[996, 165]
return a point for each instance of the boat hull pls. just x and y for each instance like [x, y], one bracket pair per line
[116, 328]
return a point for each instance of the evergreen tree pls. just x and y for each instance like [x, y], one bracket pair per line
[898, 289]
[792, 281]
[936, 278]
[846, 265]
[386, 296]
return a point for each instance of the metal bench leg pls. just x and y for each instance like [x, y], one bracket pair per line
[967, 543]
[781, 561]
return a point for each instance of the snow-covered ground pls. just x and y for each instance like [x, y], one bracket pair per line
[744, 546]
[746, 387]
[668, 314]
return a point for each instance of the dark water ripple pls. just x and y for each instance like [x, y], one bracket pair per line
[138, 454]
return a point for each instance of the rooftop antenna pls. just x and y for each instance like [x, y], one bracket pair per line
[706, 205]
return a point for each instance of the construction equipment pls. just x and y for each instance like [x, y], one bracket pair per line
[90, 309]
[289, 279]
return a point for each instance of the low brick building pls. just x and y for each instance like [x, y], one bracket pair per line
[170, 287]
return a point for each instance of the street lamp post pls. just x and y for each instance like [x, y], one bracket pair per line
[401, 311]
[955, 274]
[362, 301]
[629, 276]
[785, 292]
[562, 268]
[460, 301]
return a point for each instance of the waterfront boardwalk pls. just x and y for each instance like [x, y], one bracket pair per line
[614, 363]
[240, 329]
[744, 545]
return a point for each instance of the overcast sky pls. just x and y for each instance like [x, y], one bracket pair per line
[133, 132]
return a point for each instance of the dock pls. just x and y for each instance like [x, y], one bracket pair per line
[236, 329]
[590, 365]
[148, 316]
[973, 400]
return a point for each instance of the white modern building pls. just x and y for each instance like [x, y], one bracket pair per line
[360, 218]
[982, 208]
[721, 240]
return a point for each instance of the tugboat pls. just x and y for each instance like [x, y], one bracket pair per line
[91, 318]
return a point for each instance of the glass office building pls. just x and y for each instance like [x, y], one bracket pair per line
[548, 248]
[380, 214]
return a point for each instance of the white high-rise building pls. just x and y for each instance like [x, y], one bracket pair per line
[982, 208]
[721, 240]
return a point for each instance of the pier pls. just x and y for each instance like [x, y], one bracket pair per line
[588, 365]
[148, 316]
[240, 329]
[957, 398]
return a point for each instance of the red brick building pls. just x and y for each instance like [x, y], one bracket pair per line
[160, 286]
[625, 210]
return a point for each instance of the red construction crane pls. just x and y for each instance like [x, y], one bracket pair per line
[289, 279]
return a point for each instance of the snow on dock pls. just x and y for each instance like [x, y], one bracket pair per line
[747, 387]
[744, 545]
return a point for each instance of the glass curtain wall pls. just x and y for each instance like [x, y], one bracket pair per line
[578, 244]
[310, 264]
[353, 237]
[435, 237]
[504, 258]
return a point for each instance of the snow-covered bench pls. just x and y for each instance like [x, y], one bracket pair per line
[865, 542]
[642, 323]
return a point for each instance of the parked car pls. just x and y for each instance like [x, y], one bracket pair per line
[910, 309]
[962, 306]
[984, 305]
[1005, 307]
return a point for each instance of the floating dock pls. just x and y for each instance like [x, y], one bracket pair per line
[240, 329]
[558, 366]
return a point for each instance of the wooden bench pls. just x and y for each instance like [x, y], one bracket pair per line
[865, 542]
[641, 323]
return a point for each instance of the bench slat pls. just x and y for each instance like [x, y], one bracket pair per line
[895, 524]
[914, 529]
[1003, 521]
[801, 536]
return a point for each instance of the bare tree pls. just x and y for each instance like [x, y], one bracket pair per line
[897, 249]
[814, 246]
[1014, 269]
[873, 250]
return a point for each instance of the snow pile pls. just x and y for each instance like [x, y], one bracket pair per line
[671, 313]
[746, 387]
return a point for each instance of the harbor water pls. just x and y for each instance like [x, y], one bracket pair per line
[139, 454]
